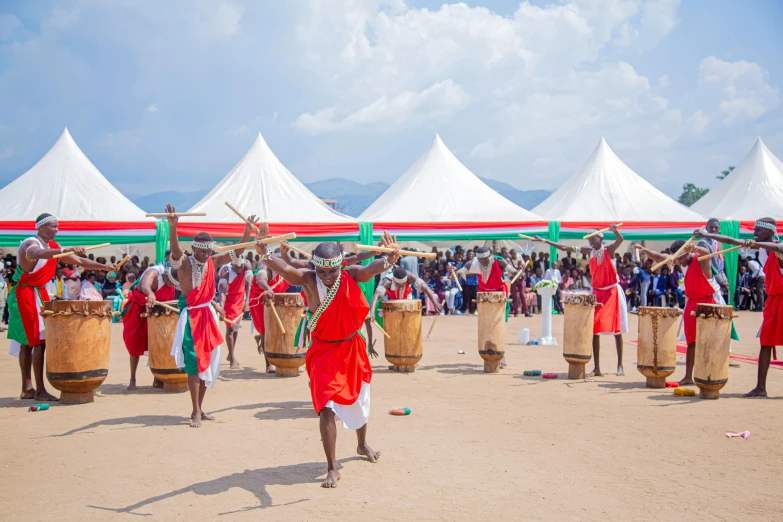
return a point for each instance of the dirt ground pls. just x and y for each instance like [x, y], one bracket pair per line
[476, 445]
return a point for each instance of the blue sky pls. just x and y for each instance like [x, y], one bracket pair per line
[170, 95]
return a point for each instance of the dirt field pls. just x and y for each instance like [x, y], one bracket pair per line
[476, 445]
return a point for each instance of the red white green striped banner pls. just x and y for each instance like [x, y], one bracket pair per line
[460, 230]
[632, 230]
[304, 231]
[82, 232]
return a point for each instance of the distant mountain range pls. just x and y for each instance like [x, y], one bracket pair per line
[352, 197]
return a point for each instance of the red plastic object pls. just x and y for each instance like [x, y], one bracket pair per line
[672, 384]
[549, 375]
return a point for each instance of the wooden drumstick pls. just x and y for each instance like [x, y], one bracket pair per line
[607, 229]
[456, 279]
[93, 247]
[373, 248]
[277, 317]
[529, 238]
[292, 247]
[516, 276]
[672, 257]
[265, 241]
[124, 260]
[167, 307]
[432, 325]
[379, 328]
[636, 254]
[242, 216]
[720, 252]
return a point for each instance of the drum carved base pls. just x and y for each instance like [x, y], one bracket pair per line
[175, 387]
[77, 398]
[656, 382]
[286, 372]
[576, 371]
[404, 368]
[709, 394]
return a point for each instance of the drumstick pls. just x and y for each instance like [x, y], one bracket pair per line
[265, 241]
[672, 257]
[277, 317]
[242, 217]
[124, 260]
[93, 247]
[432, 325]
[373, 248]
[516, 276]
[229, 321]
[529, 238]
[292, 247]
[178, 214]
[720, 252]
[636, 255]
[167, 307]
[456, 279]
[379, 328]
[607, 229]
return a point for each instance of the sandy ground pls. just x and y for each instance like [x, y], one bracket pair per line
[475, 446]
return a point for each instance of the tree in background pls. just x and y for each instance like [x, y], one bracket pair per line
[725, 173]
[691, 194]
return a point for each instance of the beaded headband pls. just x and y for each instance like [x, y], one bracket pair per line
[768, 226]
[482, 255]
[206, 245]
[43, 221]
[599, 234]
[401, 281]
[328, 263]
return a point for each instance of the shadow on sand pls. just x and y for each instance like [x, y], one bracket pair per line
[139, 421]
[277, 410]
[453, 369]
[254, 481]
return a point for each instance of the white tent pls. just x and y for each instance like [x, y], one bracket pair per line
[754, 189]
[440, 189]
[260, 184]
[606, 189]
[66, 184]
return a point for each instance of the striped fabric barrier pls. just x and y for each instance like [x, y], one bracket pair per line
[310, 232]
[460, 230]
[82, 232]
[632, 230]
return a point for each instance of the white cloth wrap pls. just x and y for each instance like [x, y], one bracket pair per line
[623, 305]
[357, 414]
[210, 375]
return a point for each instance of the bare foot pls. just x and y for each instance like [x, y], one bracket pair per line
[755, 392]
[45, 396]
[131, 386]
[686, 381]
[368, 452]
[595, 373]
[391, 366]
[195, 422]
[331, 479]
[620, 371]
[235, 365]
[29, 394]
[270, 369]
[206, 416]
[157, 383]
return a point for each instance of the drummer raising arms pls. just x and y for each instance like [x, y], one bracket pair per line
[771, 256]
[196, 345]
[400, 285]
[700, 288]
[265, 285]
[233, 292]
[337, 361]
[611, 317]
[25, 326]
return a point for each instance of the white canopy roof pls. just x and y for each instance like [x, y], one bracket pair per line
[438, 188]
[754, 189]
[606, 189]
[259, 184]
[66, 184]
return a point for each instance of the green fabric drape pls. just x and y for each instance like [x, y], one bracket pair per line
[731, 259]
[365, 238]
[554, 235]
[161, 240]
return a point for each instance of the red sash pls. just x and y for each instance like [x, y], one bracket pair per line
[395, 294]
[134, 326]
[337, 361]
[772, 324]
[25, 291]
[257, 300]
[203, 327]
[607, 317]
[235, 298]
[698, 290]
[495, 282]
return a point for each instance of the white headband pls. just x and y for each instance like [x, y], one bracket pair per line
[482, 255]
[768, 226]
[43, 221]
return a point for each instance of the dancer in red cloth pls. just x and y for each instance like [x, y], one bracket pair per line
[196, 345]
[400, 286]
[699, 289]
[233, 294]
[771, 256]
[337, 360]
[265, 285]
[25, 325]
[157, 283]
[490, 269]
[611, 317]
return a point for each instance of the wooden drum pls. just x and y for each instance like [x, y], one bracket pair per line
[78, 338]
[713, 337]
[578, 332]
[161, 327]
[402, 321]
[656, 353]
[278, 345]
[491, 329]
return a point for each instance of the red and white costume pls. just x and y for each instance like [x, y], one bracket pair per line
[698, 290]
[235, 295]
[611, 318]
[134, 326]
[490, 278]
[771, 333]
[277, 284]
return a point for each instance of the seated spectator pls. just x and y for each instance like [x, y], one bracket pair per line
[56, 287]
[112, 291]
[130, 279]
[757, 282]
[659, 287]
[470, 288]
[675, 290]
[451, 293]
[531, 298]
[563, 286]
[88, 292]
[744, 294]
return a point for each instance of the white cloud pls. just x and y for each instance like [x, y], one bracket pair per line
[152, 108]
[434, 104]
[746, 92]
[6, 153]
[663, 81]
[226, 18]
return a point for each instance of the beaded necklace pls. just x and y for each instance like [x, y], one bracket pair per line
[197, 269]
[325, 302]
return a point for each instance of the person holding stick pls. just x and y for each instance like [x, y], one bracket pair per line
[337, 361]
[399, 286]
[36, 265]
[233, 293]
[157, 283]
[196, 345]
[611, 317]
[700, 288]
[771, 256]
[265, 285]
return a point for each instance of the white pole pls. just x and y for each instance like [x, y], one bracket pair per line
[546, 294]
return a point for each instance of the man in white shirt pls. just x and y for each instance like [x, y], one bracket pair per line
[56, 287]
[553, 273]
[758, 282]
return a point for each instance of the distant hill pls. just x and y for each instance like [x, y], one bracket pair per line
[352, 197]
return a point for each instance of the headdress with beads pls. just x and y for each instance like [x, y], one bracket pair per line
[596, 233]
[765, 224]
[204, 245]
[483, 255]
[44, 220]
[328, 263]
